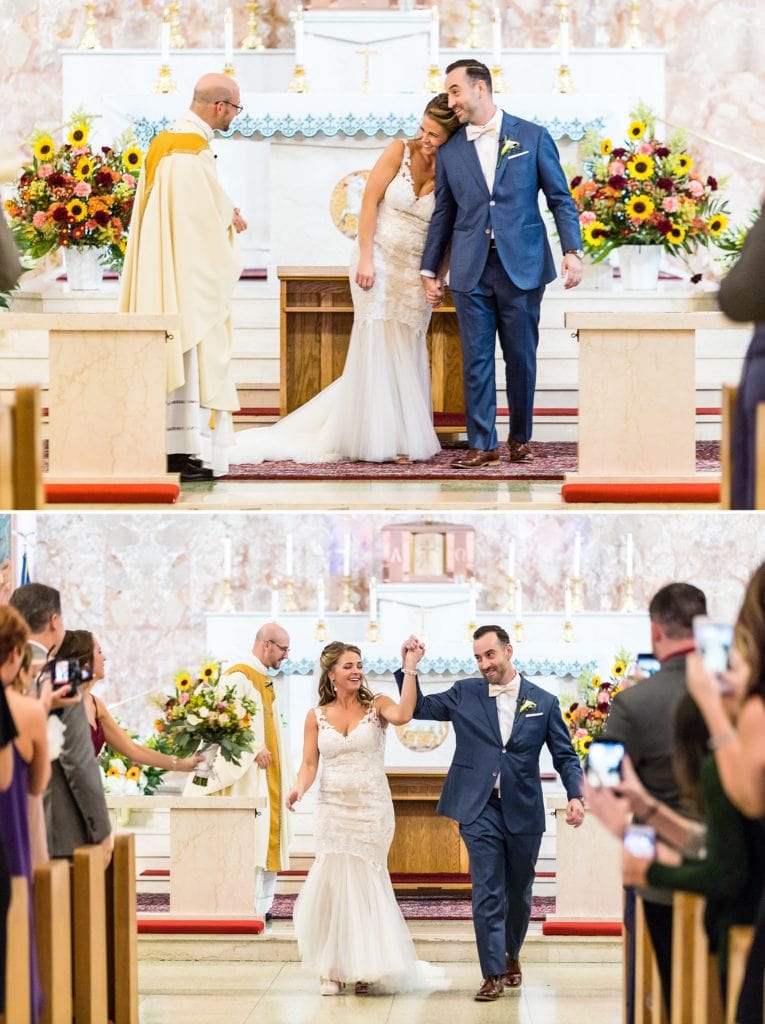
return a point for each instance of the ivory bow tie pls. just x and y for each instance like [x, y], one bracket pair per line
[475, 131]
[511, 689]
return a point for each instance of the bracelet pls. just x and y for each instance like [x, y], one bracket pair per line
[174, 763]
[721, 739]
[410, 672]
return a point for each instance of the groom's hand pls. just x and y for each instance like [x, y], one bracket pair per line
[571, 270]
[434, 290]
[575, 812]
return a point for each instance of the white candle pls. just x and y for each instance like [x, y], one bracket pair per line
[473, 599]
[274, 600]
[298, 19]
[320, 599]
[518, 601]
[511, 559]
[577, 567]
[373, 599]
[630, 559]
[496, 37]
[226, 558]
[165, 44]
[347, 555]
[288, 558]
[564, 41]
[567, 601]
[434, 36]
[228, 35]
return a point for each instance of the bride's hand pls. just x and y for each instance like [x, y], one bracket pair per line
[295, 796]
[365, 274]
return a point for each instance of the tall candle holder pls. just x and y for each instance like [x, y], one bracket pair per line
[472, 626]
[165, 83]
[177, 41]
[290, 604]
[509, 605]
[634, 35]
[320, 633]
[498, 79]
[227, 604]
[434, 79]
[299, 81]
[564, 83]
[519, 633]
[228, 69]
[474, 40]
[89, 40]
[577, 594]
[628, 605]
[346, 605]
[372, 634]
[252, 41]
[568, 636]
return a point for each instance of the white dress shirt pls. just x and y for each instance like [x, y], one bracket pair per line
[506, 704]
[487, 146]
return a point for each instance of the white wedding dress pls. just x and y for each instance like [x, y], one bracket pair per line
[380, 407]
[347, 922]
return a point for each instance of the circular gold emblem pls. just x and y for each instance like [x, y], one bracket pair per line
[345, 203]
[422, 736]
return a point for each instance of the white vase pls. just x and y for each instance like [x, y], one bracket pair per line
[84, 272]
[639, 266]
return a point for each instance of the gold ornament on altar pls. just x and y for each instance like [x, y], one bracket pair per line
[345, 203]
[564, 83]
[89, 40]
[474, 40]
[422, 736]
[252, 41]
[177, 42]
[165, 83]
[428, 553]
[634, 36]
[366, 53]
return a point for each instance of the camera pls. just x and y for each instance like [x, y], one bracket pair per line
[66, 672]
[647, 664]
[640, 841]
[713, 642]
[604, 762]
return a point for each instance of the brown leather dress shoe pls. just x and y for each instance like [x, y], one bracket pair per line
[512, 976]
[520, 451]
[476, 458]
[491, 989]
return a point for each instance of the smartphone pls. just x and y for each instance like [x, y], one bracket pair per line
[604, 763]
[65, 672]
[647, 664]
[713, 642]
[640, 840]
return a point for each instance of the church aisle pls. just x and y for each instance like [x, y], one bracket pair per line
[283, 993]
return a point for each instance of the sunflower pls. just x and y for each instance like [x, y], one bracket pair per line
[586, 742]
[676, 234]
[717, 224]
[595, 233]
[114, 773]
[183, 682]
[132, 158]
[83, 168]
[209, 671]
[78, 135]
[77, 210]
[640, 167]
[595, 682]
[605, 147]
[682, 163]
[133, 773]
[567, 716]
[639, 207]
[44, 148]
[619, 669]
[636, 130]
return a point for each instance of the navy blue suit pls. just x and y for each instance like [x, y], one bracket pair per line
[502, 835]
[499, 289]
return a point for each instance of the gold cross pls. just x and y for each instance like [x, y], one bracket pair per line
[366, 53]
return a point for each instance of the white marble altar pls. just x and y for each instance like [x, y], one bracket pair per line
[588, 869]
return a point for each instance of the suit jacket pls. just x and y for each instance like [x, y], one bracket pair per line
[75, 805]
[481, 761]
[466, 214]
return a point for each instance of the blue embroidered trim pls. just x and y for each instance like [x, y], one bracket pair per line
[449, 667]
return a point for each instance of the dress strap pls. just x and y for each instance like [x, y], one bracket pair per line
[406, 163]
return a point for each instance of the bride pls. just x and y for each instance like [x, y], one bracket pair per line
[379, 409]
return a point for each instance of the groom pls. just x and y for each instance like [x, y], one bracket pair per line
[488, 180]
[493, 789]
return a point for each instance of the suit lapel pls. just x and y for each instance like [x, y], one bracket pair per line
[509, 125]
[473, 164]
[523, 693]
[489, 705]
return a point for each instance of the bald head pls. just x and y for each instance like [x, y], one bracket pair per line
[271, 644]
[216, 99]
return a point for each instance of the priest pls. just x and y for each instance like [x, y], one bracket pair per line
[182, 257]
[265, 770]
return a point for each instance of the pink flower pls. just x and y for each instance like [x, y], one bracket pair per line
[80, 151]
[183, 698]
[587, 217]
[696, 189]
[670, 204]
[616, 167]
[91, 224]
[129, 180]
[82, 189]
[38, 221]
[645, 147]
[580, 734]
[44, 170]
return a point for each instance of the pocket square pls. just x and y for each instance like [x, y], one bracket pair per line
[536, 714]
[514, 156]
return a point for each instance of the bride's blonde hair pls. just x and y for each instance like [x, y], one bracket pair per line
[329, 657]
[438, 109]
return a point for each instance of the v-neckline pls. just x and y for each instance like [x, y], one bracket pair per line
[345, 735]
[406, 164]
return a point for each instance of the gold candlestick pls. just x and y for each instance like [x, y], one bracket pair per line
[474, 41]
[509, 605]
[634, 35]
[165, 83]
[497, 79]
[320, 633]
[227, 605]
[628, 605]
[568, 636]
[366, 53]
[252, 40]
[577, 595]
[471, 628]
[346, 605]
[89, 40]
[228, 69]
[434, 79]
[373, 632]
[177, 42]
[290, 604]
[564, 82]
[519, 633]
[299, 81]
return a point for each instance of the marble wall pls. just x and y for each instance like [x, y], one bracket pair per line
[143, 583]
[715, 52]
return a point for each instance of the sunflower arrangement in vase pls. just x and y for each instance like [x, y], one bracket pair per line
[75, 196]
[586, 716]
[645, 192]
[207, 714]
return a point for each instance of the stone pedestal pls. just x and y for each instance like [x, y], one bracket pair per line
[588, 869]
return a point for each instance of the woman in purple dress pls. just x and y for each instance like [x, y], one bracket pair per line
[7, 735]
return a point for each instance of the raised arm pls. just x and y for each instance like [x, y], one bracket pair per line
[381, 175]
[400, 713]
[118, 740]
[310, 763]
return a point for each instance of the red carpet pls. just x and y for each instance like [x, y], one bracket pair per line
[109, 493]
[197, 926]
[552, 460]
[604, 928]
[637, 493]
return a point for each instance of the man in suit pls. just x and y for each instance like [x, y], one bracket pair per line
[75, 805]
[642, 718]
[487, 220]
[493, 789]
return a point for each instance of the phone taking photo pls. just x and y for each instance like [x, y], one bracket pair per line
[604, 763]
[640, 841]
[647, 664]
[713, 642]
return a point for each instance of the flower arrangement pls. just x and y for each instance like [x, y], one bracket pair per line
[74, 196]
[586, 716]
[731, 241]
[122, 777]
[207, 711]
[645, 192]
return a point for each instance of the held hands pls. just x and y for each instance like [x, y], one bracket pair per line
[412, 651]
[434, 290]
[365, 274]
[263, 758]
[294, 797]
[571, 270]
[238, 222]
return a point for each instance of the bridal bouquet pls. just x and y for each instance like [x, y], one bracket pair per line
[72, 195]
[121, 777]
[645, 192]
[206, 713]
[586, 716]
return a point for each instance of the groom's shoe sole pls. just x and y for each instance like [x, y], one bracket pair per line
[477, 458]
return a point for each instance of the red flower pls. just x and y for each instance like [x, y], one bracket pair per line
[102, 218]
[712, 182]
[576, 181]
[59, 215]
[56, 180]
[696, 278]
[662, 224]
[104, 179]
[617, 181]
[662, 151]
[106, 149]
[78, 232]
[617, 154]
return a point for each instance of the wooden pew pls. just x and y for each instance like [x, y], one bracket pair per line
[695, 978]
[89, 936]
[729, 395]
[21, 451]
[53, 933]
[649, 1002]
[17, 990]
[739, 943]
[122, 932]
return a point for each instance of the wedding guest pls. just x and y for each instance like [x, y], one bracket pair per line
[24, 685]
[347, 922]
[8, 733]
[182, 257]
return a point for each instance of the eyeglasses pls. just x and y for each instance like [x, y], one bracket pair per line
[282, 648]
[237, 106]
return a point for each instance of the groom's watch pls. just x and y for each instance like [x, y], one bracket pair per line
[577, 252]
